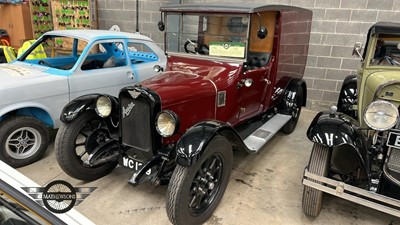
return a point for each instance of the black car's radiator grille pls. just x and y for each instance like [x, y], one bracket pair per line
[393, 163]
[137, 113]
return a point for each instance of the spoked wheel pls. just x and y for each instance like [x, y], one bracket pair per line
[74, 143]
[23, 140]
[194, 192]
[319, 164]
[294, 110]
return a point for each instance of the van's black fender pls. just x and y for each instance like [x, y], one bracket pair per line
[348, 96]
[290, 95]
[86, 102]
[336, 129]
[194, 142]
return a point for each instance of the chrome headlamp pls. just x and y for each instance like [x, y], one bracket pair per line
[381, 115]
[103, 106]
[167, 123]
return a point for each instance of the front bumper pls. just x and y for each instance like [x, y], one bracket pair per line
[357, 195]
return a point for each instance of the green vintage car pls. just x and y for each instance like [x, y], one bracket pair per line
[356, 152]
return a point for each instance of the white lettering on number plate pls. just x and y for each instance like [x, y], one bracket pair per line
[397, 142]
[132, 164]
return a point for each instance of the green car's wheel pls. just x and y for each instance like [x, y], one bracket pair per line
[319, 162]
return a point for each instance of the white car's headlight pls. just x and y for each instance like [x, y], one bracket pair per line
[381, 115]
[167, 123]
[103, 106]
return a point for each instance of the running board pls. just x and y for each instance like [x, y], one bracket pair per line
[262, 135]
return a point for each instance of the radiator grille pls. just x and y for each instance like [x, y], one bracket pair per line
[393, 164]
[135, 123]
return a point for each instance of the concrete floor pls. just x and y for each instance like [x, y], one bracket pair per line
[264, 189]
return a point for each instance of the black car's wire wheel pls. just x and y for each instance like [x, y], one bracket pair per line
[319, 165]
[23, 140]
[194, 192]
[76, 140]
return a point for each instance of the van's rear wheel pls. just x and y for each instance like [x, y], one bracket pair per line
[294, 109]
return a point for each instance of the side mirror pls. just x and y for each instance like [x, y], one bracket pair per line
[262, 33]
[357, 50]
[161, 26]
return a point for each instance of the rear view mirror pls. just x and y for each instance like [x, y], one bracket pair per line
[161, 26]
[262, 33]
[357, 50]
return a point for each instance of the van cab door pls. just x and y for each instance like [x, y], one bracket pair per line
[253, 87]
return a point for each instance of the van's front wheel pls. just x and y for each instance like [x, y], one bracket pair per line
[195, 191]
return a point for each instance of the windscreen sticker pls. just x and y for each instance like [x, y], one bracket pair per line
[15, 71]
[227, 49]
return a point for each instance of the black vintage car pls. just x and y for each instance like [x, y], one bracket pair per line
[356, 152]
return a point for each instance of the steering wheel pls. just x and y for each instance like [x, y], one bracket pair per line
[199, 48]
[42, 62]
[390, 60]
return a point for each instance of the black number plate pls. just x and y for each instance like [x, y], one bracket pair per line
[132, 164]
[393, 140]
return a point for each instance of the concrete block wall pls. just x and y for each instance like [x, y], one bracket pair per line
[337, 25]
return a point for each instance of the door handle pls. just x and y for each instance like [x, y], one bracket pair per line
[267, 81]
[131, 75]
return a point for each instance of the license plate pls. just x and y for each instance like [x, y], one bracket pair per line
[393, 140]
[132, 164]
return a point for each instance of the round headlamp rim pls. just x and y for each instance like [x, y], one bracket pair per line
[96, 108]
[175, 118]
[380, 102]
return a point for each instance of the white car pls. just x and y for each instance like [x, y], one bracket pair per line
[57, 68]
[17, 207]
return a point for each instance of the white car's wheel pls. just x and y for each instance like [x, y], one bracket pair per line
[23, 140]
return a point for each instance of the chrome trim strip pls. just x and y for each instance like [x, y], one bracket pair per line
[345, 191]
[207, 57]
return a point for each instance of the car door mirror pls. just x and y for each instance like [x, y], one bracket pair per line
[357, 49]
[262, 33]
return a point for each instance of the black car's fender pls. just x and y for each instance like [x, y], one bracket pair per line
[336, 129]
[194, 142]
[348, 96]
[86, 102]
